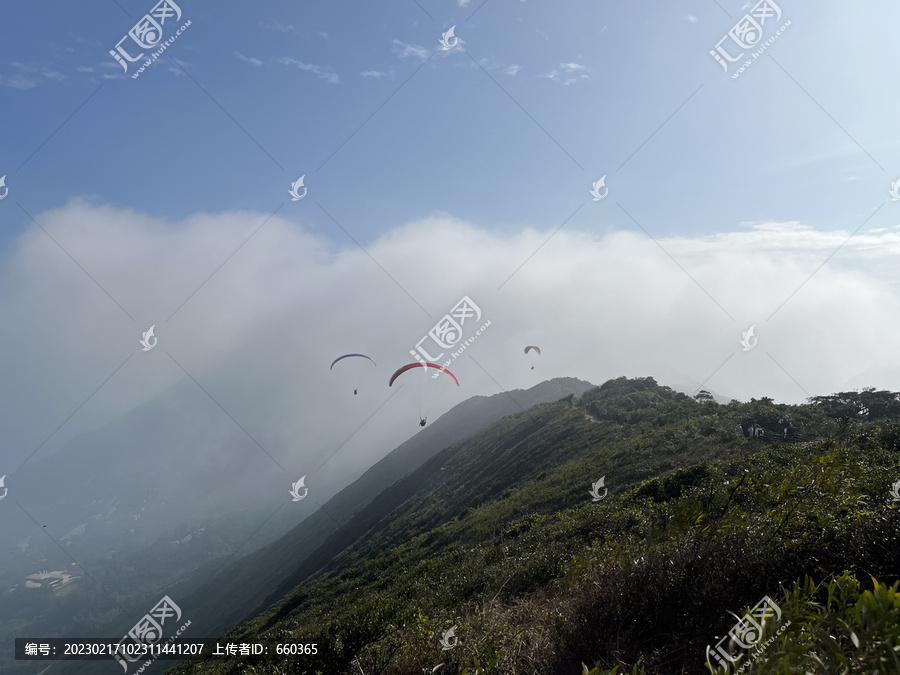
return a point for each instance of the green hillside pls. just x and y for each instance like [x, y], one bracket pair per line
[498, 536]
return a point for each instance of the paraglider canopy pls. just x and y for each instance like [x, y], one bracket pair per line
[530, 347]
[420, 364]
[428, 389]
[353, 373]
[345, 356]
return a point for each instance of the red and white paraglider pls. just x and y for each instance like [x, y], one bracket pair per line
[429, 391]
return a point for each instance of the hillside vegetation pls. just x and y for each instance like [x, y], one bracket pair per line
[498, 536]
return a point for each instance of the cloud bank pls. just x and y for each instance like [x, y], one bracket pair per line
[254, 309]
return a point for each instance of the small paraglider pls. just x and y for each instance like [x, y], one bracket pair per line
[354, 372]
[428, 391]
[529, 348]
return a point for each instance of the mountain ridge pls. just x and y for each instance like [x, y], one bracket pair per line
[282, 554]
[497, 536]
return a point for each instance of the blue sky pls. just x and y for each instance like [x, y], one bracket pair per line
[598, 79]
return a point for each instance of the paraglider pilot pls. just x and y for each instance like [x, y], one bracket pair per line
[421, 364]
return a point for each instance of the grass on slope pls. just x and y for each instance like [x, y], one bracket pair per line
[538, 579]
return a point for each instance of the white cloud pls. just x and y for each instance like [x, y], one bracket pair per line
[376, 74]
[463, 3]
[404, 50]
[275, 24]
[114, 70]
[321, 71]
[18, 82]
[258, 332]
[491, 63]
[691, 18]
[29, 75]
[573, 69]
[249, 59]
[179, 71]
